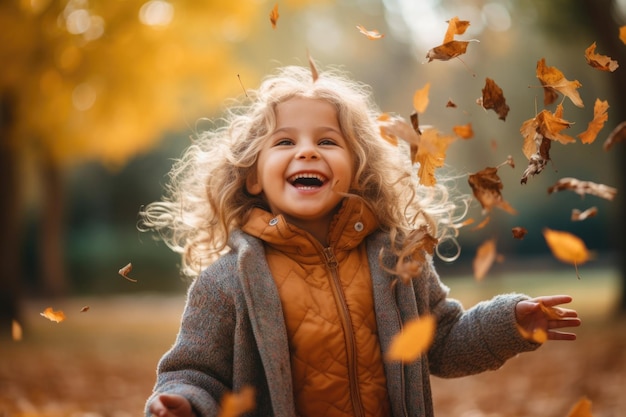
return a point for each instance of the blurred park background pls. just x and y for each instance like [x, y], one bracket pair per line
[98, 98]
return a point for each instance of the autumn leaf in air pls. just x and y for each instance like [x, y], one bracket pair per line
[16, 331]
[451, 104]
[50, 314]
[486, 255]
[487, 188]
[582, 408]
[420, 98]
[464, 131]
[554, 82]
[601, 62]
[583, 187]
[431, 154]
[274, 16]
[622, 34]
[519, 232]
[566, 247]
[125, 271]
[394, 127]
[578, 215]
[600, 117]
[235, 404]
[493, 99]
[450, 48]
[370, 34]
[413, 340]
[617, 135]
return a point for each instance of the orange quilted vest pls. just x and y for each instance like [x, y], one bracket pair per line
[326, 294]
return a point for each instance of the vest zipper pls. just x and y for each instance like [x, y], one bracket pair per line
[346, 323]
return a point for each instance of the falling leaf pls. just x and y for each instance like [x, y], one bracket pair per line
[274, 16]
[84, 309]
[431, 154]
[485, 257]
[394, 127]
[538, 335]
[125, 271]
[420, 98]
[493, 99]
[617, 135]
[519, 232]
[578, 215]
[370, 34]
[583, 187]
[16, 331]
[56, 316]
[455, 27]
[554, 82]
[464, 131]
[235, 404]
[622, 34]
[566, 247]
[487, 186]
[451, 104]
[582, 408]
[450, 48]
[413, 340]
[601, 62]
[599, 118]
[314, 72]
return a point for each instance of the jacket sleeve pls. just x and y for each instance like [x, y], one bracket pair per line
[470, 341]
[199, 365]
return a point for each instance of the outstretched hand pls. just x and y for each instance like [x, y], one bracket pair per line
[170, 405]
[542, 314]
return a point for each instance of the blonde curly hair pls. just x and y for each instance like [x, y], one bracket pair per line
[206, 197]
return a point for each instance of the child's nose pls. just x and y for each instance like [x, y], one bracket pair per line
[307, 151]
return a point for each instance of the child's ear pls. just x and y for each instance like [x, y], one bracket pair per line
[252, 183]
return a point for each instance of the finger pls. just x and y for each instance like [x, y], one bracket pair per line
[558, 324]
[553, 300]
[552, 335]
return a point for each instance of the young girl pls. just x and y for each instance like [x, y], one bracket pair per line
[310, 242]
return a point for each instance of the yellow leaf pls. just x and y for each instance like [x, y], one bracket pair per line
[274, 16]
[236, 404]
[431, 154]
[537, 335]
[50, 314]
[413, 340]
[599, 118]
[554, 81]
[566, 247]
[581, 409]
[420, 99]
[622, 34]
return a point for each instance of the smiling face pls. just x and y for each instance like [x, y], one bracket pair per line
[304, 165]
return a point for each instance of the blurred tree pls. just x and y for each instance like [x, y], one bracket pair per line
[101, 80]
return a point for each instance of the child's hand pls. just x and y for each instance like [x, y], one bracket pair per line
[541, 314]
[169, 405]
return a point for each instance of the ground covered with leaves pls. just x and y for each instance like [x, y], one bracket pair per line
[100, 361]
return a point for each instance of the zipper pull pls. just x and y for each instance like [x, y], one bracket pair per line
[330, 258]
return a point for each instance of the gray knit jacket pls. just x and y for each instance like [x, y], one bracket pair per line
[233, 335]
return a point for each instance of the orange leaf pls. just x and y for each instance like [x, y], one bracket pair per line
[274, 16]
[370, 34]
[493, 98]
[599, 118]
[487, 186]
[538, 335]
[447, 50]
[50, 314]
[550, 126]
[455, 27]
[420, 99]
[16, 331]
[394, 127]
[519, 232]
[554, 81]
[582, 408]
[431, 154]
[617, 135]
[566, 247]
[236, 404]
[464, 131]
[485, 256]
[413, 340]
[622, 34]
[601, 62]
[583, 187]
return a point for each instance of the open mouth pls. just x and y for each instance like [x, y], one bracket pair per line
[307, 180]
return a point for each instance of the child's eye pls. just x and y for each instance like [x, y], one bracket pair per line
[283, 142]
[327, 141]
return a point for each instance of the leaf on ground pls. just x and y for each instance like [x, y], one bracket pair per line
[420, 98]
[464, 131]
[487, 188]
[583, 407]
[413, 340]
[566, 247]
[519, 232]
[274, 16]
[578, 215]
[50, 314]
[617, 135]
[370, 34]
[235, 404]
[583, 187]
[600, 117]
[493, 99]
[554, 82]
[486, 255]
[125, 271]
[601, 62]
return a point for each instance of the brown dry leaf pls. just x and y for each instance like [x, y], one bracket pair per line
[455, 27]
[578, 215]
[450, 48]
[617, 135]
[622, 34]
[84, 309]
[519, 232]
[553, 82]
[599, 118]
[235, 404]
[413, 340]
[583, 407]
[394, 127]
[274, 16]
[601, 62]
[485, 257]
[16, 331]
[487, 186]
[538, 335]
[550, 125]
[493, 99]
[50, 314]
[583, 187]
[431, 154]
[370, 34]
[125, 271]
[464, 131]
[451, 104]
[420, 98]
[566, 247]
